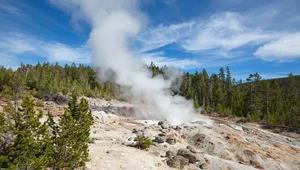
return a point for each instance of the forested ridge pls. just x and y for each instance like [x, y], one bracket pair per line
[276, 102]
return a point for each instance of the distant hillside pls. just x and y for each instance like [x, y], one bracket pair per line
[283, 82]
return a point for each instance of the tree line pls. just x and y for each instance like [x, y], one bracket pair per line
[256, 99]
[40, 80]
[275, 102]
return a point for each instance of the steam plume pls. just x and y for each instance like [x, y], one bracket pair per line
[115, 24]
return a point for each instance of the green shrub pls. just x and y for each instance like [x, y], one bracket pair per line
[143, 142]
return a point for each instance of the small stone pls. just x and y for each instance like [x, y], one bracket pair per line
[164, 125]
[158, 139]
[134, 131]
[160, 122]
[171, 141]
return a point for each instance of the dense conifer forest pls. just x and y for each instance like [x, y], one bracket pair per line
[276, 102]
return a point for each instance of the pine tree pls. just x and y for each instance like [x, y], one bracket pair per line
[27, 151]
[292, 95]
[71, 142]
[228, 89]
[253, 96]
[222, 76]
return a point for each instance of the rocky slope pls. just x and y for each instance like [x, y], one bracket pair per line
[197, 145]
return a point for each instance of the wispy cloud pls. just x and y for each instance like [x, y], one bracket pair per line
[15, 46]
[163, 35]
[224, 35]
[224, 32]
[188, 63]
[285, 48]
[9, 8]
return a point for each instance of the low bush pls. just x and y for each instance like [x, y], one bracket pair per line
[143, 142]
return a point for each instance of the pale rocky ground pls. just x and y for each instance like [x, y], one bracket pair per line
[223, 145]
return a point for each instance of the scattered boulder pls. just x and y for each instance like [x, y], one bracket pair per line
[164, 125]
[193, 158]
[171, 141]
[177, 162]
[158, 139]
[134, 131]
[160, 122]
[202, 141]
[170, 154]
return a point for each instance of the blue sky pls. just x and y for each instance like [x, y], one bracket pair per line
[247, 35]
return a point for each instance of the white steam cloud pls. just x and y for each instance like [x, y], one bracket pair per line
[115, 24]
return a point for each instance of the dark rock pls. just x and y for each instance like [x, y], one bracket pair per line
[158, 139]
[161, 134]
[177, 162]
[193, 158]
[160, 122]
[134, 131]
[164, 125]
[170, 154]
[171, 141]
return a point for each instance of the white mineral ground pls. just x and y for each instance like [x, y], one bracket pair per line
[225, 144]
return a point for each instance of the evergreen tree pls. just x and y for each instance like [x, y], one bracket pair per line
[253, 96]
[71, 141]
[222, 76]
[292, 95]
[27, 151]
[228, 89]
